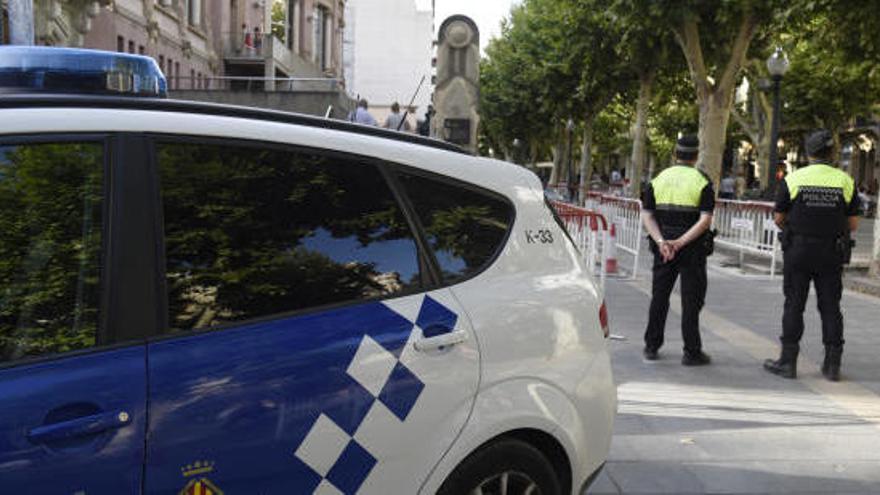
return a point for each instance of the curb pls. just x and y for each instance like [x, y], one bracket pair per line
[862, 285]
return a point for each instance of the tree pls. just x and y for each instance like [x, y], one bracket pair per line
[516, 101]
[555, 60]
[826, 89]
[591, 44]
[648, 49]
[673, 111]
[715, 38]
[754, 118]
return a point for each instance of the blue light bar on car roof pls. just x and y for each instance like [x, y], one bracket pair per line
[77, 71]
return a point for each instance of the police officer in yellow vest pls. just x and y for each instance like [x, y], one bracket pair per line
[816, 206]
[677, 212]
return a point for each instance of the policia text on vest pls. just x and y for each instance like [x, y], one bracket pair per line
[817, 208]
[677, 212]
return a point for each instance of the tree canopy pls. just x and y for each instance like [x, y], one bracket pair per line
[570, 59]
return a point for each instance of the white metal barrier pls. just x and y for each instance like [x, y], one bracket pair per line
[748, 226]
[589, 231]
[625, 214]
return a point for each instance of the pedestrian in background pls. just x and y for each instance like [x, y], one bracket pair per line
[677, 213]
[424, 126]
[817, 208]
[395, 118]
[258, 39]
[361, 114]
[740, 184]
[248, 38]
[728, 188]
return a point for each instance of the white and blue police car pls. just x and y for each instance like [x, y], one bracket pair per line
[204, 299]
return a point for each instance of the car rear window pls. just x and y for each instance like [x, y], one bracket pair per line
[465, 227]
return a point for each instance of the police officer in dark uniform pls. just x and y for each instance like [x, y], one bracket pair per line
[677, 212]
[817, 208]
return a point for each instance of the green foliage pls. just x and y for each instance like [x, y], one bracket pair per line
[554, 60]
[824, 86]
[853, 27]
[50, 219]
[673, 110]
[279, 19]
[557, 59]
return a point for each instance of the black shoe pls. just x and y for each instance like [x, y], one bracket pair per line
[831, 365]
[699, 358]
[786, 365]
[650, 354]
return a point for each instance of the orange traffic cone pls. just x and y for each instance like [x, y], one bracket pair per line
[611, 251]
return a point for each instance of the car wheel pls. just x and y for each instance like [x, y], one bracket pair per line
[505, 467]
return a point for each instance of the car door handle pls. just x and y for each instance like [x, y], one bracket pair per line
[79, 427]
[441, 341]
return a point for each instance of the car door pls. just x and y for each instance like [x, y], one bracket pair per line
[72, 372]
[306, 349]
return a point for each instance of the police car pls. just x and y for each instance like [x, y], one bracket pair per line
[205, 299]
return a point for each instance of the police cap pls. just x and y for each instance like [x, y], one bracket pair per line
[687, 147]
[819, 142]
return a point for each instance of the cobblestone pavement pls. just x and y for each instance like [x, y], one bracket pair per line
[731, 427]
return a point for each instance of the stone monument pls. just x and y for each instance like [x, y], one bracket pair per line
[457, 88]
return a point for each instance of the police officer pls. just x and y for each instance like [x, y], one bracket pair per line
[816, 207]
[677, 212]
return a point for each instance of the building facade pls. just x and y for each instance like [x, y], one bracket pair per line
[203, 44]
[390, 48]
[180, 34]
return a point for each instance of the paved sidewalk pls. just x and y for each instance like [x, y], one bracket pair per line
[731, 427]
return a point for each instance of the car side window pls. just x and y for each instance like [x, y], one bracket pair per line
[51, 205]
[253, 232]
[465, 227]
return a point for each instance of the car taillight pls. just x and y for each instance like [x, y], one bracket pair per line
[603, 319]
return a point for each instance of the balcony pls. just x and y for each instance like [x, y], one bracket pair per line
[310, 95]
[241, 51]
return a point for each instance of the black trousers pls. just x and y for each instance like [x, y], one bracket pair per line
[818, 261]
[691, 264]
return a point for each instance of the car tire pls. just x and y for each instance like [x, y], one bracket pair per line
[522, 467]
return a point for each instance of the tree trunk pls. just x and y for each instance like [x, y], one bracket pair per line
[640, 131]
[714, 115]
[762, 151]
[559, 157]
[714, 97]
[586, 168]
[875, 262]
[835, 152]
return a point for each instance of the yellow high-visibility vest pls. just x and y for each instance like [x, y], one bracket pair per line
[679, 187]
[820, 175]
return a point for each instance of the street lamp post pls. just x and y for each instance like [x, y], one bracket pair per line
[777, 65]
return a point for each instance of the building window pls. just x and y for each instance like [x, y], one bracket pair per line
[141, 50]
[130, 46]
[194, 12]
[290, 27]
[162, 62]
[120, 44]
[321, 47]
[169, 73]
[176, 75]
[192, 79]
